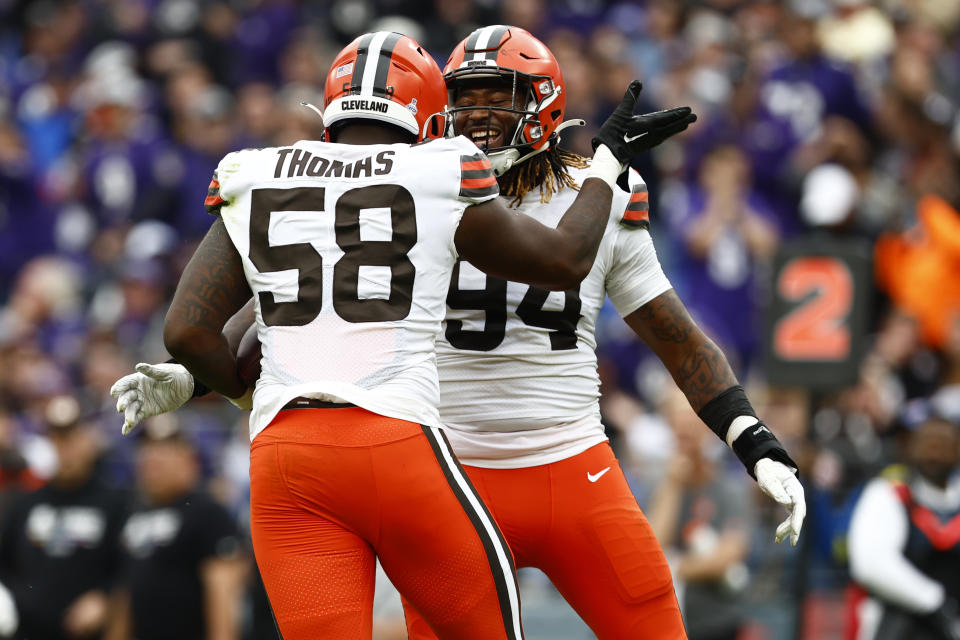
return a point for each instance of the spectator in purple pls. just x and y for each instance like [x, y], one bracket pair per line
[206, 133]
[808, 86]
[725, 231]
[260, 37]
[129, 171]
[26, 222]
[794, 100]
[766, 140]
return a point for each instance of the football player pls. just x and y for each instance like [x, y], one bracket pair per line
[519, 383]
[347, 248]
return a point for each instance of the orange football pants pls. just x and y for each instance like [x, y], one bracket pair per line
[331, 489]
[578, 522]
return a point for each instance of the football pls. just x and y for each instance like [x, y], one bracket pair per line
[248, 357]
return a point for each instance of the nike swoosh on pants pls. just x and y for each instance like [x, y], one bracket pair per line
[593, 477]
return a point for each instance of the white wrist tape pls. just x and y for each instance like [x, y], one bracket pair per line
[738, 426]
[605, 166]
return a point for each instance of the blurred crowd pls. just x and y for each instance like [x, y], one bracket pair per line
[818, 119]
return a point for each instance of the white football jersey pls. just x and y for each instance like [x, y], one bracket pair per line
[348, 251]
[518, 372]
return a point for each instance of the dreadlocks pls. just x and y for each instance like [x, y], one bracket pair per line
[548, 170]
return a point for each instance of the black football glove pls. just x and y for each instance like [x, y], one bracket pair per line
[628, 135]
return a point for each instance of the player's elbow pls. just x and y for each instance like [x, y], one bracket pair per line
[571, 257]
[183, 340]
[568, 275]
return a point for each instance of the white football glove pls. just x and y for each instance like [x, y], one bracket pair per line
[154, 389]
[778, 481]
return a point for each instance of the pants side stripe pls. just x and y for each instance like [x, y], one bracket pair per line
[501, 562]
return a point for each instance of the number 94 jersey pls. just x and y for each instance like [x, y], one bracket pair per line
[518, 372]
[348, 251]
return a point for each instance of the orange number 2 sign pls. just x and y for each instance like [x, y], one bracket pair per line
[819, 328]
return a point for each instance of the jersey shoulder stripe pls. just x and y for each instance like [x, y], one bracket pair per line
[213, 201]
[476, 177]
[637, 211]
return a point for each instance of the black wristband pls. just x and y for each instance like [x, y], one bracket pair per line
[755, 442]
[199, 389]
[722, 410]
[758, 442]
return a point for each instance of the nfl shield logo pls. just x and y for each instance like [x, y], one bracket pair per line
[343, 70]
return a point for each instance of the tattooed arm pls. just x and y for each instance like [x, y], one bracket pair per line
[704, 375]
[697, 365]
[211, 289]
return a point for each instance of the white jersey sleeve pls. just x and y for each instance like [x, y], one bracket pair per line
[477, 182]
[518, 372]
[635, 276]
[348, 251]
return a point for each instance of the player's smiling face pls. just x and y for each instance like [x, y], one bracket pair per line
[487, 127]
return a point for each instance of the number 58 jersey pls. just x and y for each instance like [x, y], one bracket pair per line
[348, 250]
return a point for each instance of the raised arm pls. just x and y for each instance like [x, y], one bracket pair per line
[513, 246]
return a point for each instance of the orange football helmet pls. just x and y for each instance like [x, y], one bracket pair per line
[388, 77]
[513, 56]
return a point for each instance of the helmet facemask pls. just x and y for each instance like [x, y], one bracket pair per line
[529, 96]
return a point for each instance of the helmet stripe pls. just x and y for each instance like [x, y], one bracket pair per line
[488, 37]
[471, 43]
[494, 42]
[383, 66]
[369, 70]
[373, 63]
[362, 47]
